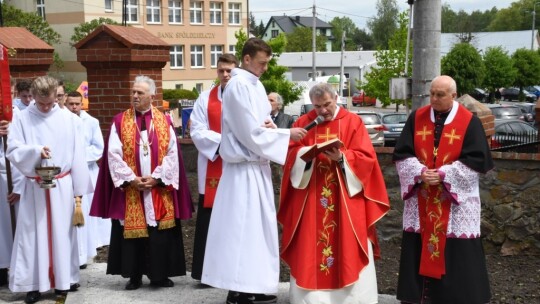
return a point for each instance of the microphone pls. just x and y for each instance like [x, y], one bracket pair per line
[312, 124]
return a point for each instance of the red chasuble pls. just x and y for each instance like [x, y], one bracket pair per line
[213, 169]
[433, 202]
[326, 232]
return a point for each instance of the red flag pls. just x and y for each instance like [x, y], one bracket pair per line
[6, 110]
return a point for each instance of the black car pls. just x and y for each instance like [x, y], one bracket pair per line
[513, 94]
[479, 94]
[514, 133]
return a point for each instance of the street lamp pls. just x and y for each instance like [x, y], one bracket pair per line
[533, 24]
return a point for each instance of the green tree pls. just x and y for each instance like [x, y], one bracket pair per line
[340, 25]
[390, 64]
[384, 25]
[500, 71]
[363, 40]
[83, 29]
[465, 65]
[514, 18]
[527, 65]
[274, 79]
[301, 38]
[32, 22]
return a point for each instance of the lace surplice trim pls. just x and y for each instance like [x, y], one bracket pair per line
[409, 171]
[168, 172]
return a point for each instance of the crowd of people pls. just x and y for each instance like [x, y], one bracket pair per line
[133, 192]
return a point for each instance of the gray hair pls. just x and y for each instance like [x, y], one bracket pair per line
[279, 99]
[321, 89]
[44, 86]
[151, 83]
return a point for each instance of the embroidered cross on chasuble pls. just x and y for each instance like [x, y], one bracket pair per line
[135, 221]
[433, 201]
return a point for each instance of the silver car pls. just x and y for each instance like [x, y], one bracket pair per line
[393, 124]
[375, 129]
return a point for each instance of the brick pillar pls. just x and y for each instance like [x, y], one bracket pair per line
[483, 112]
[113, 57]
[30, 57]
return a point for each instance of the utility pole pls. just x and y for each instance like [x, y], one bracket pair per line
[533, 25]
[341, 70]
[314, 43]
[427, 49]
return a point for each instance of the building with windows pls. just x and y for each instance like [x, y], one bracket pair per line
[286, 24]
[198, 31]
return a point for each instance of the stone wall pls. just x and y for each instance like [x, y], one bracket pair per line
[510, 197]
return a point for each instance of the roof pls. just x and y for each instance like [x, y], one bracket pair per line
[288, 23]
[21, 38]
[510, 41]
[327, 59]
[129, 36]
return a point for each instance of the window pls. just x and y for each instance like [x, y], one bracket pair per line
[178, 86]
[108, 5]
[197, 55]
[232, 48]
[195, 12]
[234, 13]
[153, 11]
[40, 6]
[215, 12]
[275, 33]
[175, 11]
[177, 56]
[199, 87]
[215, 52]
[132, 9]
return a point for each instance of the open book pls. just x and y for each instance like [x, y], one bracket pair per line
[319, 148]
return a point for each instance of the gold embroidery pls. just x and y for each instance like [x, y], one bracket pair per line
[327, 136]
[452, 136]
[424, 133]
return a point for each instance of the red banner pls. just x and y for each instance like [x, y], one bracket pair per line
[6, 110]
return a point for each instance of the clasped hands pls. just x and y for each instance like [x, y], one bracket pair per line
[431, 177]
[142, 183]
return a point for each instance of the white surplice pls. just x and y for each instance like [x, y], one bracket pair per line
[96, 231]
[242, 252]
[6, 234]
[206, 140]
[56, 129]
[167, 171]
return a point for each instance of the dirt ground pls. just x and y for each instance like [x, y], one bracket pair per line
[514, 279]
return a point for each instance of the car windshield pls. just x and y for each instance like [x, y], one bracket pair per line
[394, 118]
[370, 119]
[503, 112]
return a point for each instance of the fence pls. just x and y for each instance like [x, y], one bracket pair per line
[523, 142]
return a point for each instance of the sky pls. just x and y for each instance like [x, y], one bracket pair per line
[359, 11]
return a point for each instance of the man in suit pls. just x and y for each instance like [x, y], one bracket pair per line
[281, 120]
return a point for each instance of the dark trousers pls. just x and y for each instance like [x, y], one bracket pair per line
[199, 243]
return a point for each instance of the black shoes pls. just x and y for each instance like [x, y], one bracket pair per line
[72, 287]
[83, 266]
[3, 276]
[249, 298]
[32, 297]
[162, 283]
[134, 283]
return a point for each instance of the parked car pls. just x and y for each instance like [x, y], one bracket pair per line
[529, 114]
[513, 94]
[514, 132]
[479, 94]
[373, 124]
[393, 124]
[534, 89]
[361, 99]
[506, 112]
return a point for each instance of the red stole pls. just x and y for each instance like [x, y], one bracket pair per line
[213, 169]
[433, 203]
[6, 110]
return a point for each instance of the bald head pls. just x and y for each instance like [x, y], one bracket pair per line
[442, 93]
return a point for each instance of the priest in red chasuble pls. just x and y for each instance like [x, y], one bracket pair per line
[329, 206]
[439, 157]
